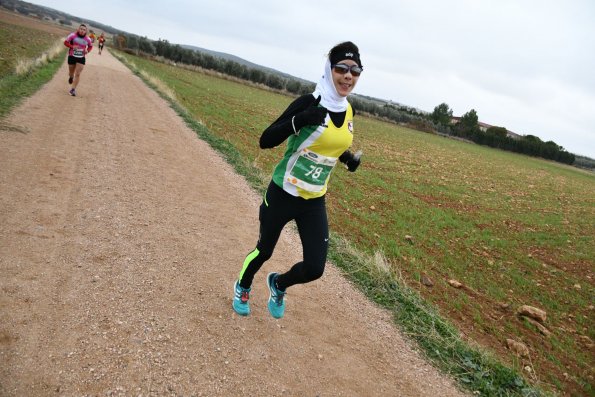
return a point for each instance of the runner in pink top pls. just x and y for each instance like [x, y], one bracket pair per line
[80, 45]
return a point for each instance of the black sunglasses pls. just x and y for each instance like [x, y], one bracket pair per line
[342, 68]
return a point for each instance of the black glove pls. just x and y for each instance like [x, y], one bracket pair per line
[351, 160]
[313, 115]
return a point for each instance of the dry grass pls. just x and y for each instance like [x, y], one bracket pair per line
[26, 66]
[159, 85]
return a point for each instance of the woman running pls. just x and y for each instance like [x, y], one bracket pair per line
[80, 45]
[320, 130]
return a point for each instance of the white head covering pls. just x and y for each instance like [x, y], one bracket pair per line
[330, 99]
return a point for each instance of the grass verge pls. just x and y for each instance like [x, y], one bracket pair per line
[473, 368]
[15, 87]
[441, 342]
[29, 65]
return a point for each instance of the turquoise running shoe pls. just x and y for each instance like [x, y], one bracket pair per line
[276, 303]
[240, 299]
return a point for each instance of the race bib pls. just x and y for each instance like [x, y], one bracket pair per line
[311, 170]
[78, 52]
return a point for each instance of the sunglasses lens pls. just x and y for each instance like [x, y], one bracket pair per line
[343, 69]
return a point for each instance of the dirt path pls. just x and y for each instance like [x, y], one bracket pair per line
[121, 234]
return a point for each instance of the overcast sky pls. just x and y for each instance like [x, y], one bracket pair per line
[527, 65]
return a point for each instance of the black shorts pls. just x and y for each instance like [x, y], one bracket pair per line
[74, 60]
[100, 46]
[277, 209]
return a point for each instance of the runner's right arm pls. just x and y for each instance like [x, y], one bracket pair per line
[282, 128]
[68, 41]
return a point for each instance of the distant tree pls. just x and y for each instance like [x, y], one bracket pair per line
[168, 51]
[275, 81]
[145, 45]
[306, 88]
[469, 120]
[177, 52]
[257, 76]
[190, 57]
[550, 150]
[567, 158]
[210, 62]
[468, 125]
[497, 131]
[244, 72]
[293, 86]
[197, 58]
[161, 47]
[232, 68]
[442, 115]
[132, 42]
[532, 139]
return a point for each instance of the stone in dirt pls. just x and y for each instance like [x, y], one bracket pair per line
[532, 312]
[540, 327]
[455, 283]
[586, 340]
[425, 280]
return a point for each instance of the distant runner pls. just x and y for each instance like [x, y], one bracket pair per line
[318, 128]
[80, 45]
[101, 40]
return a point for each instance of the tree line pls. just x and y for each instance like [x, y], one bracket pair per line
[498, 137]
[178, 54]
[439, 121]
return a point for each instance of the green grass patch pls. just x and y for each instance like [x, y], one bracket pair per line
[14, 88]
[513, 229]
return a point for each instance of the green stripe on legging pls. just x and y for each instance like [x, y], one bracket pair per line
[247, 261]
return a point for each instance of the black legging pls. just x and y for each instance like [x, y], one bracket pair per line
[279, 208]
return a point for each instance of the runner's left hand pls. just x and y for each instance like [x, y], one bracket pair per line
[352, 161]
